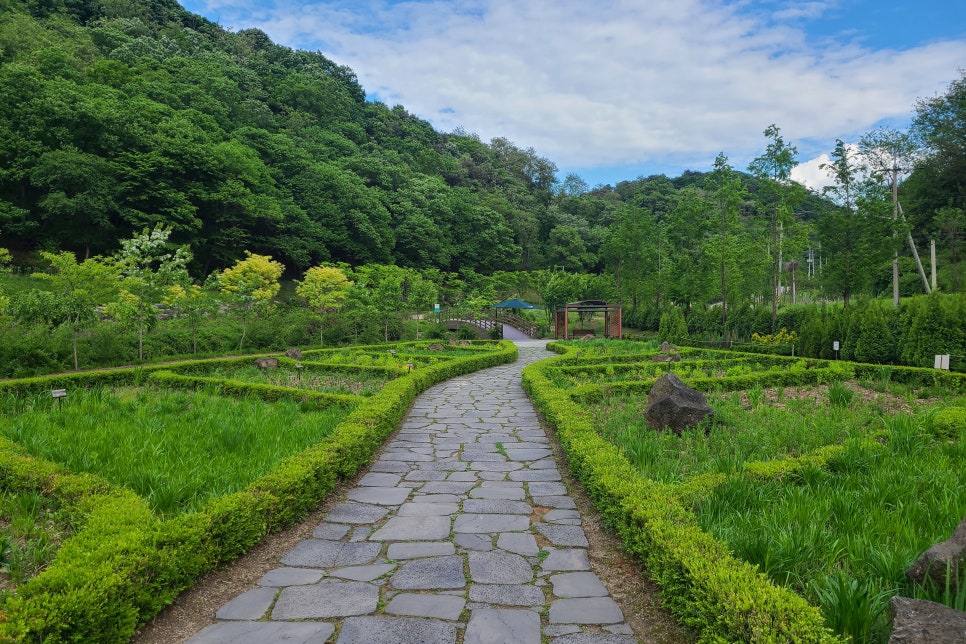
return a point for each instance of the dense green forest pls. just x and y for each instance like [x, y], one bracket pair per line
[118, 116]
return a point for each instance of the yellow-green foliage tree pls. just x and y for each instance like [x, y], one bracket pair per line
[251, 283]
[326, 289]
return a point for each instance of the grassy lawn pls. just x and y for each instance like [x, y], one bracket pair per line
[176, 449]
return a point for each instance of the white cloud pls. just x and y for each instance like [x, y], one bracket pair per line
[616, 81]
[809, 173]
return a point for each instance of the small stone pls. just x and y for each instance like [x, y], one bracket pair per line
[521, 543]
[496, 506]
[563, 535]
[420, 549]
[350, 512]
[379, 495]
[339, 599]
[316, 553]
[379, 479]
[330, 531]
[577, 584]
[499, 568]
[396, 630]
[491, 625]
[290, 577]
[424, 528]
[507, 594]
[262, 632]
[248, 606]
[547, 488]
[363, 573]
[429, 574]
[479, 523]
[575, 559]
[592, 610]
[439, 606]
[480, 542]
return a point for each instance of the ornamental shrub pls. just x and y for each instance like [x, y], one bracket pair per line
[672, 327]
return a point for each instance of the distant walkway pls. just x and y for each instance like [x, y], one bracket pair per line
[461, 526]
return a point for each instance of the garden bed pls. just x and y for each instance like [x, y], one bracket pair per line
[794, 490]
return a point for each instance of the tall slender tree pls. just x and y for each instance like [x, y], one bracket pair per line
[891, 156]
[774, 167]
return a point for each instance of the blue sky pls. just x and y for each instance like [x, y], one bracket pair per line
[614, 89]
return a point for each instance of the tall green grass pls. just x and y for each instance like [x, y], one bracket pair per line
[176, 449]
[31, 531]
[841, 535]
[735, 436]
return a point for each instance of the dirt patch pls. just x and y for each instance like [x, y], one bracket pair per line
[779, 397]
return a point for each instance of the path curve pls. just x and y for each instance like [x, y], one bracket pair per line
[460, 531]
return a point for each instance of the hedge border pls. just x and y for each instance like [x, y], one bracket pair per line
[703, 585]
[124, 564]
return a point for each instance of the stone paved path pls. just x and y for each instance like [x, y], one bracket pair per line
[461, 529]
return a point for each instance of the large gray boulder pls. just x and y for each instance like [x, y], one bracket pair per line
[916, 621]
[950, 555]
[674, 405]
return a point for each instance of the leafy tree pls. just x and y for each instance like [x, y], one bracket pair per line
[195, 303]
[940, 125]
[774, 167]
[326, 288]
[848, 231]
[951, 223]
[689, 226]
[556, 288]
[251, 283]
[423, 293]
[891, 155]
[80, 288]
[728, 195]
[147, 265]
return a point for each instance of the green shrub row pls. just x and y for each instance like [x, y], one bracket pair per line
[239, 388]
[796, 372]
[123, 564]
[704, 586]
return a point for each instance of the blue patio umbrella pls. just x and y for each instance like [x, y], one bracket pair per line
[514, 303]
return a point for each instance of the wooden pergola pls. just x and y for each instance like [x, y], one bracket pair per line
[612, 318]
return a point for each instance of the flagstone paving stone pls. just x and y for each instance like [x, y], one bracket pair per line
[441, 539]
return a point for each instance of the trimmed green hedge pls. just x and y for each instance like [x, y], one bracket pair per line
[123, 564]
[707, 589]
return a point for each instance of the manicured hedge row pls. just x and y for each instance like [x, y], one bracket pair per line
[723, 598]
[123, 564]
[238, 388]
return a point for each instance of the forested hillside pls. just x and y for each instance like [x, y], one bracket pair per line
[116, 116]
[120, 115]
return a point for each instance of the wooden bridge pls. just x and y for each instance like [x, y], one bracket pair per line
[488, 321]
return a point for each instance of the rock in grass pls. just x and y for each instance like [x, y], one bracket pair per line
[674, 405]
[266, 363]
[942, 559]
[916, 621]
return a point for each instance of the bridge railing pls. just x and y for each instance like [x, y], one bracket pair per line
[488, 321]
